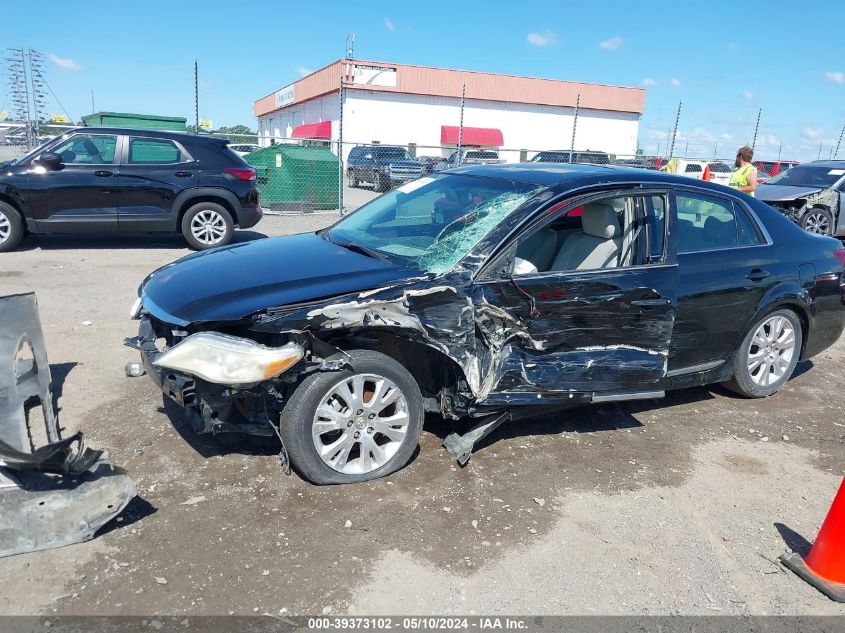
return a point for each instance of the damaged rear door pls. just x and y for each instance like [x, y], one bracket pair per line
[590, 306]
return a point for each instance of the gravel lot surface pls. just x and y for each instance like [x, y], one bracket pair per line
[677, 506]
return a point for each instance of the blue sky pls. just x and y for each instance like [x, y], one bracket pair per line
[724, 60]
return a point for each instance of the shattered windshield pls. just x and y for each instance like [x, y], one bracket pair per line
[807, 176]
[433, 222]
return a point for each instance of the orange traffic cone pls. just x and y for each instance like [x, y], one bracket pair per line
[707, 175]
[824, 567]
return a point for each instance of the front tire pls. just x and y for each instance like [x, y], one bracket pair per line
[380, 183]
[207, 225]
[11, 227]
[767, 356]
[358, 424]
[818, 221]
[353, 181]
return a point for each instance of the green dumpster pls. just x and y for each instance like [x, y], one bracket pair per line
[140, 121]
[294, 178]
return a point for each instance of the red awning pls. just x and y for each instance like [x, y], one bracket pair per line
[313, 130]
[484, 136]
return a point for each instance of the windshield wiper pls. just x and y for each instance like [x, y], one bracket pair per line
[369, 252]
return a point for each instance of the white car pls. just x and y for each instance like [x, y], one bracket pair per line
[242, 149]
[717, 172]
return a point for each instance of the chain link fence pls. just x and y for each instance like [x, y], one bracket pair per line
[317, 175]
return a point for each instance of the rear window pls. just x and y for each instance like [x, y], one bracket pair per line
[481, 154]
[720, 168]
[153, 151]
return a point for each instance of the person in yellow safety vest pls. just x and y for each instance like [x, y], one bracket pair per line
[745, 177]
[671, 167]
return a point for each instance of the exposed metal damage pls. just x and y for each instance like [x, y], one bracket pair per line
[827, 199]
[60, 492]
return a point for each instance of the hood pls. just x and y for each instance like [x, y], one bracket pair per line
[232, 282]
[775, 193]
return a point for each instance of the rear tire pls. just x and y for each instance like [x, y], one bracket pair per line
[353, 181]
[380, 183]
[207, 225]
[11, 227]
[767, 356]
[818, 221]
[319, 428]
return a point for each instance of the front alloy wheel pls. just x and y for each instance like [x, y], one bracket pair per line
[360, 423]
[817, 221]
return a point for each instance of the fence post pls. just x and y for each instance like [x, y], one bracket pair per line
[340, 145]
[461, 125]
[675, 131]
[574, 126]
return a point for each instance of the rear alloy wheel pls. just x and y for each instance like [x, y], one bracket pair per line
[768, 355]
[11, 227]
[207, 225]
[818, 221]
[354, 425]
[353, 181]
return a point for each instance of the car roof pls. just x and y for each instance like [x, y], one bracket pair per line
[188, 137]
[553, 174]
[831, 164]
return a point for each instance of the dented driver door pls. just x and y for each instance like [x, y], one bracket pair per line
[604, 331]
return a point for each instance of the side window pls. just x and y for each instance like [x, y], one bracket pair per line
[709, 223]
[87, 149]
[692, 169]
[611, 232]
[152, 151]
[748, 235]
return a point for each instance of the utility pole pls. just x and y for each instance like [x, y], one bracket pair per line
[675, 131]
[686, 150]
[780, 147]
[38, 87]
[461, 126]
[93, 110]
[715, 149]
[756, 128]
[197, 95]
[839, 142]
[19, 91]
[574, 126]
[819, 157]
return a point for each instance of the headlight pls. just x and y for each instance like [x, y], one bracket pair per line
[135, 310]
[228, 360]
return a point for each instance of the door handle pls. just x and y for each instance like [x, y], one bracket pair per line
[183, 174]
[102, 173]
[758, 274]
[652, 303]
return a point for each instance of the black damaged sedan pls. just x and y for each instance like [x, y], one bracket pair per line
[486, 294]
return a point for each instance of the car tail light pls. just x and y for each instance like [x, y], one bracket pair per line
[839, 254]
[245, 174]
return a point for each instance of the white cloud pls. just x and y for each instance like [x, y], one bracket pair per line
[390, 25]
[813, 133]
[648, 81]
[748, 95]
[676, 83]
[612, 44]
[546, 38]
[64, 62]
[302, 71]
[836, 76]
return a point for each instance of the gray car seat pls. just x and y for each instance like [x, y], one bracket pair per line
[598, 246]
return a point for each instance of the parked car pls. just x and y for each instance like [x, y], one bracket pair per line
[430, 162]
[565, 156]
[95, 180]
[242, 149]
[470, 156]
[381, 165]
[530, 290]
[720, 172]
[811, 194]
[769, 168]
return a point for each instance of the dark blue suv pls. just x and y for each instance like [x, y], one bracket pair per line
[382, 165]
[129, 181]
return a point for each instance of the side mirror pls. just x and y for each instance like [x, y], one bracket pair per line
[50, 160]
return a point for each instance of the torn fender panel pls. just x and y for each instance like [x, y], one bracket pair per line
[69, 456]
